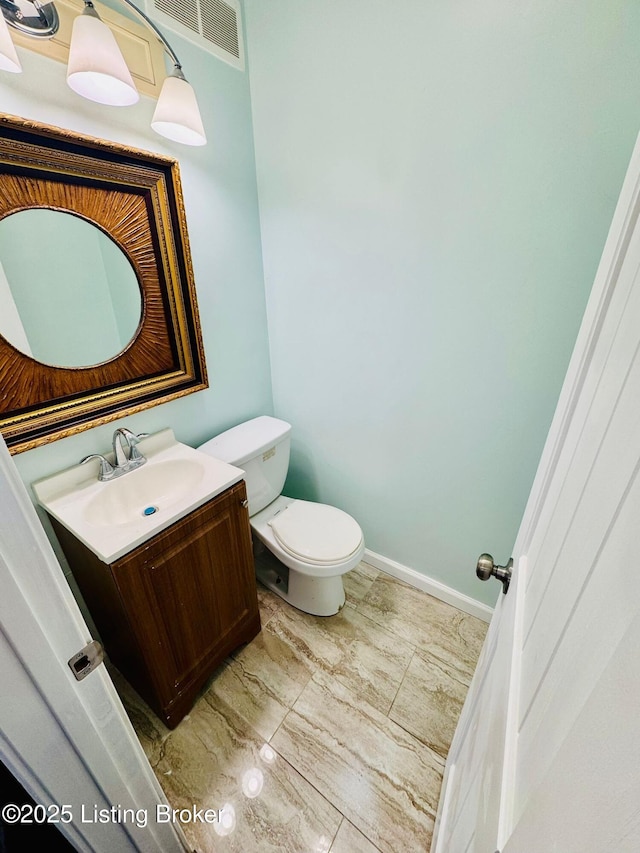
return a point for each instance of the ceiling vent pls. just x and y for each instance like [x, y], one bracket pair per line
[214, 25]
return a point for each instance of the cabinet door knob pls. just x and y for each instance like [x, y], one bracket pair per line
[245, 503]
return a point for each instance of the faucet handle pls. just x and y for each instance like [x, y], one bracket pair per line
[106, 468]
[133, 440]
[131, 437]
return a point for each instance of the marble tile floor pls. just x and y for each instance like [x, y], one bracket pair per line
[323, 735]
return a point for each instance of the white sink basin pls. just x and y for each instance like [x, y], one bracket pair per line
[114, 517]
[143, 492]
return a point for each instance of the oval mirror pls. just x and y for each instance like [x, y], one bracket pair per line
[69, 296]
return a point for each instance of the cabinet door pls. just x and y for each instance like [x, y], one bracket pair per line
[190, 591]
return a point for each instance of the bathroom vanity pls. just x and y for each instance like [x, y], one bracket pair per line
[170, 609]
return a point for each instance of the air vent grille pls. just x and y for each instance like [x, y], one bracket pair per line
[214, 25]
[219, 25]
[184, 13]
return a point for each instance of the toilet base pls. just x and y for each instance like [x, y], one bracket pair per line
[317, 596]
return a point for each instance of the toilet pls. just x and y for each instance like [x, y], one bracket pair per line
[314, 544]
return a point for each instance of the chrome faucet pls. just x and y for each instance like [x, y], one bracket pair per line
[127, 457]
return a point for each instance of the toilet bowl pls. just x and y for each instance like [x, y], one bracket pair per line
[313, 544]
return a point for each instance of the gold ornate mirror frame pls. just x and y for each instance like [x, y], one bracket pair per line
[136, 198]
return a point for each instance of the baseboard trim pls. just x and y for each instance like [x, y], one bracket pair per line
[427, 584]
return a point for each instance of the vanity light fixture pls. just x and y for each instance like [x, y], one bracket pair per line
[8, 57]
[97, 70]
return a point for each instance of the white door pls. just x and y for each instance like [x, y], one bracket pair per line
[546, 756]
[68, 742]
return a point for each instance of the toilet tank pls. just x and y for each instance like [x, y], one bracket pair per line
[261, 448]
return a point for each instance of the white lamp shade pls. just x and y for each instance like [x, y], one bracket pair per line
[96, 68]
[177, 116]
[8, 57]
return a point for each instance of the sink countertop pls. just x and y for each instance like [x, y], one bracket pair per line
[75, 496]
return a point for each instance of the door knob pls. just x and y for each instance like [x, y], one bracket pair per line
[486, 569]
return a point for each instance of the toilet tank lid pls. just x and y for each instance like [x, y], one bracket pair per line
[249, 439]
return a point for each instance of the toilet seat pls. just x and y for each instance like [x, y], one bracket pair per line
[316, 533]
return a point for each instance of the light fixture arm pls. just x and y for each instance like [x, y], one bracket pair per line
[170, 51]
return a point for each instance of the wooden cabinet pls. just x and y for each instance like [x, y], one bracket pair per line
[170, 611]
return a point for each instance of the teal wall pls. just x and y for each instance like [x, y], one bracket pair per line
[219, 186]
[436, 182]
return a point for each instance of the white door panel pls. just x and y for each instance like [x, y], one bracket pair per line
[604, 433]
[590, 799]
[604, 611]
[585, 539]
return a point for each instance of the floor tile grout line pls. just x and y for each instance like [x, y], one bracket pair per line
[333, 840]
[404, 675]
[280, 724]
[421, 741]
[326, 798]
[264, 691]
[300, 692]
[373, 844]
[310, 783]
